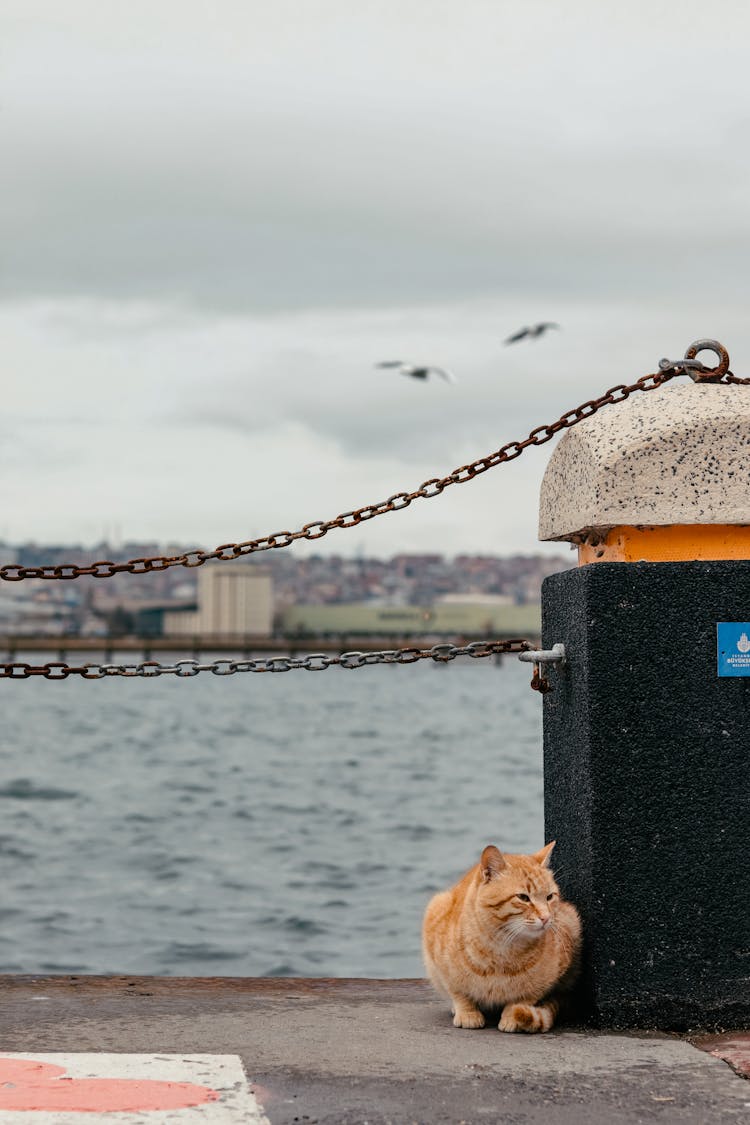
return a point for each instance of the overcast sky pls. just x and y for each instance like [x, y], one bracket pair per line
[217, 217]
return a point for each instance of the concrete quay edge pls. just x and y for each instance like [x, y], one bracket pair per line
[339, 1050]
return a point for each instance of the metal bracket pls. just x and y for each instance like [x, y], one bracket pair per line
[697, 370]
[554, 655]
[537, 657]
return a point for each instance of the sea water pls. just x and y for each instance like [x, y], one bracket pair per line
[255, 824]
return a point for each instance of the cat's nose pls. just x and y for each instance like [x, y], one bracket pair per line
[544, 919]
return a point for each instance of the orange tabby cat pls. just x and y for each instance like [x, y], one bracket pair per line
[503, 938]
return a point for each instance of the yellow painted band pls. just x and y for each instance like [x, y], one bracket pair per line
[673, 543]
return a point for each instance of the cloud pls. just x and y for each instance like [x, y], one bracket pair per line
[216, 223]
[210, 427]
[370, 156]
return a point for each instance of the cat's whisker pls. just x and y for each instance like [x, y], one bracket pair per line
[515, 930]
[507, 936]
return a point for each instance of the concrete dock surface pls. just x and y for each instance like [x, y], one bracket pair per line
[367, 1052]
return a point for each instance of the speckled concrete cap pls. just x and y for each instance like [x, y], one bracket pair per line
[676, 455]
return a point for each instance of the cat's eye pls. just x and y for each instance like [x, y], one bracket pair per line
[550, 896]
[524, 898]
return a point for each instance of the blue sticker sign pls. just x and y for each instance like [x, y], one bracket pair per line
[733, 648]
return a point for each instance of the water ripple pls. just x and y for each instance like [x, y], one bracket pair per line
[23, 789]
[278, 827]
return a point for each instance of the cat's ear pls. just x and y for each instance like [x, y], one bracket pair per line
[491, 863]
[542, 857]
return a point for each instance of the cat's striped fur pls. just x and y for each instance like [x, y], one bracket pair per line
[503, 938]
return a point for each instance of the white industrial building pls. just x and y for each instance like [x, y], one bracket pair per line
[234, 600]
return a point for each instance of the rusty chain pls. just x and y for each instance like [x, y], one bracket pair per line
[318, 528]
[317, 662]
[698, 371]
[314, 662]
[668, 369]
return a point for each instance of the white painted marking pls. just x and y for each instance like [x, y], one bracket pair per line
[222, 1073]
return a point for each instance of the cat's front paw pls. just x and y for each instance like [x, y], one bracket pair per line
[468, 1017]
[526, 1017]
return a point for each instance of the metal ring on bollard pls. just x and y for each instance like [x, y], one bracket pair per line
[682, 365]
[708, 374]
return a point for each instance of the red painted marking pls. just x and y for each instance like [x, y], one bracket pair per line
[261, 1093]
[25, 1084]
[735, 1049]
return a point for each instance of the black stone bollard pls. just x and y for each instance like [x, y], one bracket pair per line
[647, 789]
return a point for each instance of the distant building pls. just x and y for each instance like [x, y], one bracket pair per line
[448, 619]
[413, 566]
[474, 599]
[234, 599]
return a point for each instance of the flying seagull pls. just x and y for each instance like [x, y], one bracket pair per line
[531, 333]
[416, 371]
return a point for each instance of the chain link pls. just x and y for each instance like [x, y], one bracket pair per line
[314, 662]
[316, 529]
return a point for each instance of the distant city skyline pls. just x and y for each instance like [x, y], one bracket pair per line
[282, 581]
[122, 547]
